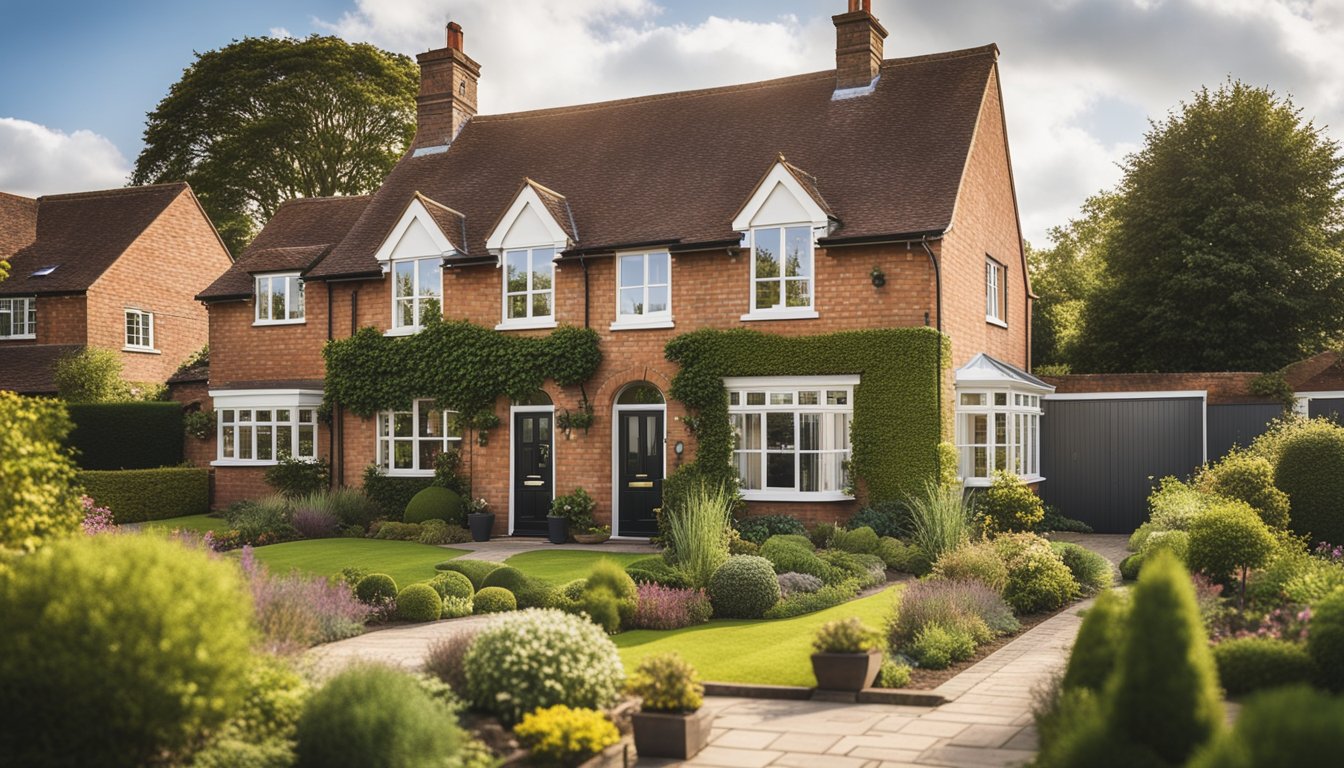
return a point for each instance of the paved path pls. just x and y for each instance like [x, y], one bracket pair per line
[499, 550]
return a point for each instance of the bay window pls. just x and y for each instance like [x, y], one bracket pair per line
[791, 436]
[998, 430]
[266, 435]
[409, 441]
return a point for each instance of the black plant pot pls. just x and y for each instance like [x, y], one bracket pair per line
[481, 524]
[665, 734]
[846, 671]
[557, 529]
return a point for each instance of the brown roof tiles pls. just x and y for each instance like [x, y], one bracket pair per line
[29, 369]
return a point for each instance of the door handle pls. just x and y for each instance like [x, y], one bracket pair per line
[642, 474]
[537, 482]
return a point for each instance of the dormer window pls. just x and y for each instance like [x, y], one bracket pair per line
[780, 224]
[529, 285]
[417, 292]
[781, 268]
[527, 240]
[279, 299]
[413, 255]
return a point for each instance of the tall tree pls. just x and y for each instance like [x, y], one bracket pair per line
[1225, 249]
[1064, 276]
[263, 120]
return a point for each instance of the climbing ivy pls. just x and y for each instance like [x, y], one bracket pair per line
[461, 366]
[895, 431]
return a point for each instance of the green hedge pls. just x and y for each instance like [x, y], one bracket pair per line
[126, 435]
[896, 429]
[135, 495]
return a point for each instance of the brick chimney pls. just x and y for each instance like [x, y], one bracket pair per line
[447, 96]
[858, 46]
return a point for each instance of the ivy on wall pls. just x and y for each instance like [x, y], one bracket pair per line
[895, 431]
[462, 366]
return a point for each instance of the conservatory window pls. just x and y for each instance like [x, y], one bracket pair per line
[998, 430]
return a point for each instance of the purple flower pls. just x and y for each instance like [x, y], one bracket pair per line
[97, 519]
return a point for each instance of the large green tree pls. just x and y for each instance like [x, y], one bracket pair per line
[264, 120]
[1063, 277]
[1224, 249]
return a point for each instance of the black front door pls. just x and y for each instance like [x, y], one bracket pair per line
[640, 479]
[532, 486]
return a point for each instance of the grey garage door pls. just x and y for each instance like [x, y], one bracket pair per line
[1331, 408]
[1100, 457]
[1238, 424]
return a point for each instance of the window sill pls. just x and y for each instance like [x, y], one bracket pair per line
[985, 482]
[526, 325]
[796, 313]
[262, 323]
[408, 473]
[142, 350]
[642, 325]
[20, 337]
[995, 321]
[406, 330]
[243, 463]
[799, 496]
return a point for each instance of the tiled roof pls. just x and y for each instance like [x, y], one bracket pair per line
[29, 368]
[82, 234]
[676, 167]
[18, 223]
[190, 374]
[301, 232]
[450, 222]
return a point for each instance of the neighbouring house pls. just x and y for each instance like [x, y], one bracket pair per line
[117, 269]
[877, 195]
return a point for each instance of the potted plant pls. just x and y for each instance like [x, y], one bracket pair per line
[595, 535]
[573, 512]
[846, 655]
[669, 722]
[480, 519]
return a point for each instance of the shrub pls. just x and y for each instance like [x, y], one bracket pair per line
[1314, 582]
[539, 658]
[135, 495]
[820, 535]
[1129, 567]
[452, 584]
[530, 592]
[577, 507]
[124, 435]
[797, 583]
[979, 561]
[886, 518]
[435, 503]
[1092, 571]
[96, 519]
[448, 472]
[493, 600]
[1008, 505]
[1139, 536]
[758, 529]
[476, 570]
[1098, 643]
[697, 533]
[296, 611]
[374, 715]
[1054, 521]
[559, 735]
[457, 607]
[861, 540]
[419, 602]
[1242, 476]
[1165, 694]
[666, 683]
[1251, 663]
[809, 602]
[292, 478]
[181, 626]
[1311, 472]
[1038, 580]
[351, 574]
[849, 635]
[38, 498]
[902, 557]
[313, 523]
[350, 506]
[1289, 726]
[264, 521]
[660, 607]
[789, 555]
[438, 532]
[868, 569]
[940, 519]
[392, 530]
[376, 588]
[655, 570]
[446, 657]
[1173, 505]
[1175, 542]
[261, 732]
[392, 494]
[937, 647]
[966, 605]
[602, 608]
[893, 674]
[1326, 641]
[609, 574]
[744, 587]
[1229, 537]
[91, 375]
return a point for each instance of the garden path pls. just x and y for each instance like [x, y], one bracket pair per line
[499, 550]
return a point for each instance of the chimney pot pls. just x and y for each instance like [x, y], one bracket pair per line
[454, 36]
[447, 98]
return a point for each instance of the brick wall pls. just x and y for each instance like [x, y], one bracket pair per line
[60, 320]
[1222, 388]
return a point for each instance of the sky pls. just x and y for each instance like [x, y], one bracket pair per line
[1081, 78]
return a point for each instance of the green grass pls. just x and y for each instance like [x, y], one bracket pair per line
[197, 523]
[752, 651]
[405, 561]
[561, 566]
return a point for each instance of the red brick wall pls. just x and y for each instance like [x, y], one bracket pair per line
[1222, 388]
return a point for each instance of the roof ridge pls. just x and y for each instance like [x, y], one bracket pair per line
[117, 191]
[4, 194]
[325, 198]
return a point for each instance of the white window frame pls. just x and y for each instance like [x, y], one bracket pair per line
[416, 300]
[145, 331]
[449, 436]
[996, 292]
[634, 321]
[781, 310]
[24, 309]
[530, 291]
[1020, 448]
[789, 388]
[291, 284]
[241, 416]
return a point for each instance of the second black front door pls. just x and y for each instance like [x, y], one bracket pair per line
[640, 479]
[532, 475]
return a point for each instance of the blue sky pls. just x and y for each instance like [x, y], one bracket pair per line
[1080, 78]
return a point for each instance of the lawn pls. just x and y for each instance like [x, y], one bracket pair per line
[752, 651]
[195, 523]
[405, 561]
[561, 566]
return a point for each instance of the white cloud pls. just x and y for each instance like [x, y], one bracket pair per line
[280, 32]
[36, 160]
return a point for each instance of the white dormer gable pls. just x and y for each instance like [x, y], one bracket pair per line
[417, 236]
[527, 223]
[780, 198]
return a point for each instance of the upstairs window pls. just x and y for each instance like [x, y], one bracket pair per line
[644, 290]
[417, 292]
[529, 285]
[279, 299]
[139, 330]
[409, 441]
[996, 292]
[18, 318]
[781, 268]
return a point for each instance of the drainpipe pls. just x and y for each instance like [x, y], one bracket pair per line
[338, 478]
[938, 373]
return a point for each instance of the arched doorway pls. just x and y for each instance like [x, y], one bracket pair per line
[639, 419]
[532, 468]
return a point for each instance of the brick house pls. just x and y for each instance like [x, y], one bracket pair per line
[116, 269]
[885, 183]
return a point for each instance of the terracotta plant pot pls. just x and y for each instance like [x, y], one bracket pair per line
[669, 734]
[846, 671]
[591, 538]
[557, 529]
[481, 524]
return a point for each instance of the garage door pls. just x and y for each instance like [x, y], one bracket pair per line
[1330, 407]
[1101, 455]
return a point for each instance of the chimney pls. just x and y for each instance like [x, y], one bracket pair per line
[858, 46]
[447, 96]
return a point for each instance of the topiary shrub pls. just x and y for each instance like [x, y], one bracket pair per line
[1099, 640]
[861, 540]
[136, 495]
[419, 602]
[937, 647]
[758, 529]
[119, 650]
[886, 518]
[540, 658]
[655, 570]
[1243, 476]
[607, 576]
[476, 570]
[1311, 472]
[793, 554]
[560, 735]
[530, 592]
[376, 588]
[452, 584]
[1092, 571]
[375, 715]
[1325, 642]
[1129, 567]
[744, 587]
[493, 600]
[1038, 579]
[1008, 505]
[1165, 694]
[979, 561]
[1248, 664]
[666, 683]
[1229, 538]
[1288, 726]
[435, 503]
